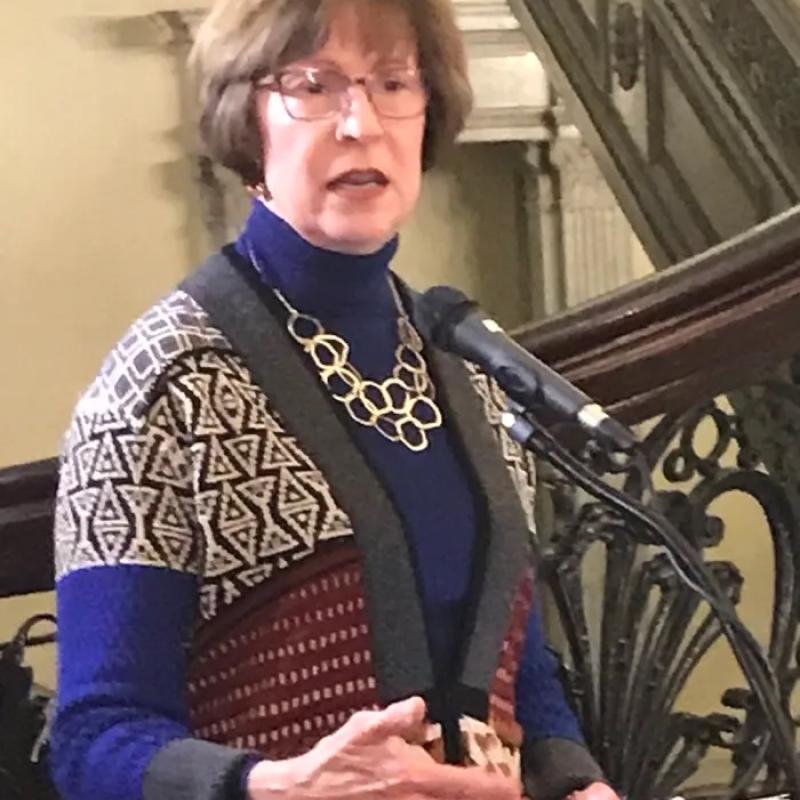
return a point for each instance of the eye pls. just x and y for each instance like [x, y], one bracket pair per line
[308, 84]
[394, 82]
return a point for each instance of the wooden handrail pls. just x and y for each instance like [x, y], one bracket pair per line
[695, 330]
[690, 332]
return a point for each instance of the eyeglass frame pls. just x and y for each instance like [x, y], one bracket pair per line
[273, 83]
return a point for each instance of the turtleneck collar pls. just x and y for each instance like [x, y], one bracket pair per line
[315, 280]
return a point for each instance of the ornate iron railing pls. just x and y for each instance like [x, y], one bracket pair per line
[724, 323]
[628, 670]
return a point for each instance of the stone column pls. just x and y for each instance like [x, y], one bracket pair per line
[598, 241]
[546, 241]
[586, 245]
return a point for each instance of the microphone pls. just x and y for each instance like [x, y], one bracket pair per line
[457, 324]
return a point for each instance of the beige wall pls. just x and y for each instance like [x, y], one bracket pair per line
[99, 216]
[466, 231]
[90, 229]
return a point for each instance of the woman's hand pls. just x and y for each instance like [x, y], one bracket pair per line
[595, 791]
[374, 755]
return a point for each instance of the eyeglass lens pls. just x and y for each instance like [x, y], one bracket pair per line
[315, 94]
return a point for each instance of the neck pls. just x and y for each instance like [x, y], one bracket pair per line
[314, 279]
[344, 248]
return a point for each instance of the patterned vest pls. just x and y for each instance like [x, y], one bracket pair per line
[309, 605]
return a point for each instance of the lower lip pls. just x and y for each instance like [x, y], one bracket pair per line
[367, 191]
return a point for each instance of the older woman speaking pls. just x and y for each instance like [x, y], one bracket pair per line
[292, 538]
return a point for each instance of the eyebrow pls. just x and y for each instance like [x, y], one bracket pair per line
[382, 63]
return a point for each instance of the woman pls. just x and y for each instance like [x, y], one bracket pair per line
[273, 495]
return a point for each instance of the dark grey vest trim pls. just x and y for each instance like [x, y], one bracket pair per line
[554, 768]
[506, 556]
[238, 305]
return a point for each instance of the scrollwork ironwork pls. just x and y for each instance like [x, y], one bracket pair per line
[627, 46]
[768, 68]
[628, 670]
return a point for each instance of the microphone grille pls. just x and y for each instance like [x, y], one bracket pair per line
[438, 310]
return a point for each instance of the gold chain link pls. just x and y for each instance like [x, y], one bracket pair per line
[402, 407]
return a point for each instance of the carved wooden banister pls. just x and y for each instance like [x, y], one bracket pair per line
[698, 329]
[658, 345]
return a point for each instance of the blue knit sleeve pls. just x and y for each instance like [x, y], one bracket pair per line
[123, 637]
[542, 707]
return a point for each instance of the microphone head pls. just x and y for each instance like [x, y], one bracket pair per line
[439, 310]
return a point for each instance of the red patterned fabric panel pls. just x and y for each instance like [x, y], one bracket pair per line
[299, 664]
[290, 672]
[502, 702]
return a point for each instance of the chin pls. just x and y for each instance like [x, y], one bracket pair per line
[351, 237]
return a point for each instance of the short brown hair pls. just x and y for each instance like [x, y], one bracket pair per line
[242, 40]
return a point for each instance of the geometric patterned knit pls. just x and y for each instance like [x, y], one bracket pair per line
[182, 491]
[260, 501]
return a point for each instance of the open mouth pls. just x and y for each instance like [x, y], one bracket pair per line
[359, 178]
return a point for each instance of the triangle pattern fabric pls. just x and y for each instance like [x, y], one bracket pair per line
[168, 467]
[219, 467]
[136, 451]
[244, 450]
[107, 463]
[278, 453]
[229, 405]
[170, 514]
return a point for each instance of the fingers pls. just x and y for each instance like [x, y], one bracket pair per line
[468, 783]
[595, 791]
[405, 719]
[375, 741]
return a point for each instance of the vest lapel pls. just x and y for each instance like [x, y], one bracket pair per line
[503, 555]
[245, 311]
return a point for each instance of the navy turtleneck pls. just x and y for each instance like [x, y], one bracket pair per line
[352, 297]
[327, 282]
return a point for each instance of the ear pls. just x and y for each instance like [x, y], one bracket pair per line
[259, 190]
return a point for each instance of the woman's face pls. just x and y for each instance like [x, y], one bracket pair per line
[305, 161]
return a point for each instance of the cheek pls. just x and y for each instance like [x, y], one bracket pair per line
[411, 185]
[413, 139]
[293, 152]
[276, 136]
[265, 127]
[410, 155]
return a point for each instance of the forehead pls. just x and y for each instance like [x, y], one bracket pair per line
[368, 28]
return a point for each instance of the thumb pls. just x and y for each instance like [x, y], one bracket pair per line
[405, 719]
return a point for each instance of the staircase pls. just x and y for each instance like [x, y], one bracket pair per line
[691, 108]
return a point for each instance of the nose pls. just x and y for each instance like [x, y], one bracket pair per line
[358, 119]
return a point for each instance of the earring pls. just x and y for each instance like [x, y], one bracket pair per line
[259, 190]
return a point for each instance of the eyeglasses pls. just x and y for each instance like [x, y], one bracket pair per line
[312, 93]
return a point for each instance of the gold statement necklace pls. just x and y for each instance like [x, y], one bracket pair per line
[402, 407]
